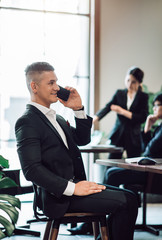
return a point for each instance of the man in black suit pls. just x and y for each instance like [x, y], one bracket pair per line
[50, 158]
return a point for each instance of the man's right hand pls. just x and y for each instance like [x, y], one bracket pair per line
[84, 188]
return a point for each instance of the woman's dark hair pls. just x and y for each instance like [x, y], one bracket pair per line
[137, 73]
[158, 98]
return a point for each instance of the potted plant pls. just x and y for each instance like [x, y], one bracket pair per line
[9, 204]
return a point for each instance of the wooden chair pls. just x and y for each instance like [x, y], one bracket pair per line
[52, 227]
[98, 221]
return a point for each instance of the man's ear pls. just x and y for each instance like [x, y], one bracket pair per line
[33, 87]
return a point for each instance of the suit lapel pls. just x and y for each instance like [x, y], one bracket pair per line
[66, 129]
[74, 151]
[71, 144]
[44, 118]
[124, 99]
[135, 101]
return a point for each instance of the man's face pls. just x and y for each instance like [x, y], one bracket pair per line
[45, 90]
[157, 109]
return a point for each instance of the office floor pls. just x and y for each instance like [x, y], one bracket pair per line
[154, 215]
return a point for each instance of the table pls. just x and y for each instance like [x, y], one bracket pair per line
[133, 166]
[100, 148]
[151, 169]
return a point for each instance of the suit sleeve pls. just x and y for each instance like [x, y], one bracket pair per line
[82, 132]
[153, 148]
[105, 110]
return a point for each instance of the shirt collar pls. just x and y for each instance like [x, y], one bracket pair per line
[42, 108]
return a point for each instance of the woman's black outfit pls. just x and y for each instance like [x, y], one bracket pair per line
[126, 132]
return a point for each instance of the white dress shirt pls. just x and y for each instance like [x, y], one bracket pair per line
[51, 115]
[130, 100]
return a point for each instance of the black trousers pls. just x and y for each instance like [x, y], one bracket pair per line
[120, 205]
[132, 150]
[116, 176]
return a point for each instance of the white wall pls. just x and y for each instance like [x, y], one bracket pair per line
[131, 34]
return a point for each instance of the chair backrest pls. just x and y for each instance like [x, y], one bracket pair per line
[36, 206]
[15, 175]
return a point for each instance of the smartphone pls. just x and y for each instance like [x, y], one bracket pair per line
[63, 93]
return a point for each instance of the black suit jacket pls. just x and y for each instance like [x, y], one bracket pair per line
[129, 129]
[45, 159]
[153, 143]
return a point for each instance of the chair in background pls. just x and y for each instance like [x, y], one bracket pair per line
[144, 190]
[98, 221]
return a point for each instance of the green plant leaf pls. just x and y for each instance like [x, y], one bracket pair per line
[8, 203]
[1, 174]
[7, 182]
[4, 162]
[15, 202]
[11, 211]
[2, 235]
[9, 227]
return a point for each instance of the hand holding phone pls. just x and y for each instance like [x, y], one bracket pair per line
[63, 93]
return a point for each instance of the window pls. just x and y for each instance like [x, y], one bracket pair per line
[56, 31]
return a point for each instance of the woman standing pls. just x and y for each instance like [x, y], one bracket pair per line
[131, 106]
